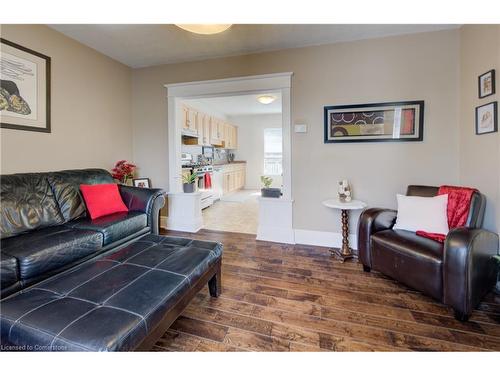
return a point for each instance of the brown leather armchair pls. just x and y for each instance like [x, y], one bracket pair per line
[458, 273]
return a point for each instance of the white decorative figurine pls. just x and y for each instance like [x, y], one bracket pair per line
[344, 191]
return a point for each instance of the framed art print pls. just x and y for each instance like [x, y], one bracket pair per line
[142, 182]
[24, 88]
[486, 118]
[375, 122]
[486, 84]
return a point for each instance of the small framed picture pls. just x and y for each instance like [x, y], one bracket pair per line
[142, 182]
[486, 118]
[486, 84]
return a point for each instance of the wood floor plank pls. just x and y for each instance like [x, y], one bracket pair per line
[328, 305]
[179, 341]
[279, 297]
[422, 304]
[374, 336]
[255, 342]
[200, 328]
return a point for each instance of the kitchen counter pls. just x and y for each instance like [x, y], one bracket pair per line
[227, 163]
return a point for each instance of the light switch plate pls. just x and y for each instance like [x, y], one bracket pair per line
[300, 128]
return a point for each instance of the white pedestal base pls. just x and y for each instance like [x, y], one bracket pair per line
[275, 220]
[184, 212]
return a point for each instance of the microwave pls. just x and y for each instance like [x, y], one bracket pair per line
[208, 152]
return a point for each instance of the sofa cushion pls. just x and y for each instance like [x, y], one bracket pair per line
[102, 200]
[414, 260]
[28, 203]
[66, 187]
[108, 304]
[9, 272]
[50, 248]
[114, 227]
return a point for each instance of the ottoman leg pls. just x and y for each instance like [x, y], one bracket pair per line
[214, 284]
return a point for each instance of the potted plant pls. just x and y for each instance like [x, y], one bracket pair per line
[267, 191]
[123, 171]
[188, 182]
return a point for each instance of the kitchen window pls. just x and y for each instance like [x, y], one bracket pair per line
[273, 152]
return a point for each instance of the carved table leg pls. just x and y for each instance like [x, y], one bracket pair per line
[344, 252]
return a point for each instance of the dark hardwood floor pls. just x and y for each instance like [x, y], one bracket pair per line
[278, 297]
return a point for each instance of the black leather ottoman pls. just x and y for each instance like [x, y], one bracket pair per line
[121, 301]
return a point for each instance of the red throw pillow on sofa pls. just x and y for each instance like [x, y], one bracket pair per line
[102, 199]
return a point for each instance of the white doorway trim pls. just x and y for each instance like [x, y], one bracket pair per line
[277, 82]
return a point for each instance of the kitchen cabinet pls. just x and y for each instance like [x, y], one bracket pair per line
[234, 141]
[203, 129]
[206, 130]
[210, 130]
[189, 118]
[227, 135]
[230, 136]
[193, 119]
[233, 177]
[185, 118]
[216, 131]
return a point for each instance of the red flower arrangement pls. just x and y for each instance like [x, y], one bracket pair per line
[123, 171]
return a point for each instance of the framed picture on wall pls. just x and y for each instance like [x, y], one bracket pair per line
[486, 118]
[486, 84]
[375, 122]
[24, 88]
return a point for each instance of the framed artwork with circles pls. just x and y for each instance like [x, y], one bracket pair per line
[375, 122]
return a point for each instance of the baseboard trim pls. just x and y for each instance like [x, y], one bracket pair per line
[319, 238]
[277, 234]
[184, 226]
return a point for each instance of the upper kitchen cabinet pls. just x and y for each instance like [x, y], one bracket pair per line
[230, 136]
[203, 138]
[204, 129]
[199, 128]
[189, 121]
[216, 131]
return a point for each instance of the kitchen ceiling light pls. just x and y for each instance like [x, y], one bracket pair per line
[204, 29]
[266, 99]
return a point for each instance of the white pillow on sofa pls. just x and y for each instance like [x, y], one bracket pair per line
[423, 213]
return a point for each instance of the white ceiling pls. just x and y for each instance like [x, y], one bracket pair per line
[147, 45]
[237, 105]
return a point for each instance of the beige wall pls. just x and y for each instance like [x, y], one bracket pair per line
[420, 66]
[251, 145]
[103, 111]
[91, 108]
[479, 154]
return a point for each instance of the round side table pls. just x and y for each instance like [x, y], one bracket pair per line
[345, 251]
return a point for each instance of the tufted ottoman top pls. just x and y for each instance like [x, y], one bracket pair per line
[107, 304]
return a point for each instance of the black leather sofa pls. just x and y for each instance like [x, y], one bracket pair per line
[458, 273]
[73, 284]
[45, 229]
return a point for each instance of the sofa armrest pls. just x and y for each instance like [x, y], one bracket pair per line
[149, 201]
[469, 269]
[372, 220]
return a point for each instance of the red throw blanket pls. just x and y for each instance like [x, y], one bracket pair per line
[459, 199]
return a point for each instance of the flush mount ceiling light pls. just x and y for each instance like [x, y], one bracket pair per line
[204, 29]
[266, 99]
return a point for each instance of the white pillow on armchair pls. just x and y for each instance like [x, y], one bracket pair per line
[423, 213]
